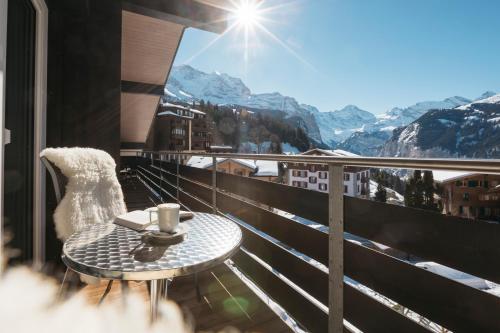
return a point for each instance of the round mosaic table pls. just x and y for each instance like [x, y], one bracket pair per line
[111, 251]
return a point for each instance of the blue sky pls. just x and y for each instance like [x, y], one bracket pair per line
[375, 54]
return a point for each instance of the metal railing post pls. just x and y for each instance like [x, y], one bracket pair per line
[336, 248]
[214, 184]
[177, 176]
[160, 156]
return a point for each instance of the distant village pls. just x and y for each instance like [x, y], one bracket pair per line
[186, 128]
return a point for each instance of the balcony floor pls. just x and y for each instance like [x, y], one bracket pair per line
[226, 301]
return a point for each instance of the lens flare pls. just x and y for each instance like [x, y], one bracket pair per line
[249, 20]
[247, 13]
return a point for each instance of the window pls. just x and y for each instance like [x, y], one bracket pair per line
[485, 184]
[313, 180]
[347, 176]
[312, 168]
[460, 210]
[299, 173]
[481, 211]
[345, 188]
[357, 176]
[304, 184]
[466, 196]
[294, 183]
[458, 183]
[472, 183]
[358, 189]
[323, 186]
[322, 174]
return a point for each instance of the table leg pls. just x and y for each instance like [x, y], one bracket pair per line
[158, 290]
[164, 288]
[153, 296]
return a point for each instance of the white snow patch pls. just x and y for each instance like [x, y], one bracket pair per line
[185, 94]
[169, 93]
[447, 122]
[490, 100]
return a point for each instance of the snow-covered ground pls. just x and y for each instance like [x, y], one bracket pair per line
[393, 197]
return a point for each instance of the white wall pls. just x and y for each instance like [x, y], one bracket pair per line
[352, 183]
[3, 48]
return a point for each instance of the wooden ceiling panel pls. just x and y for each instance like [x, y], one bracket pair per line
[149, 46]
[138, 111]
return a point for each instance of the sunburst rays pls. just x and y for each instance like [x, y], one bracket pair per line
[248, 19]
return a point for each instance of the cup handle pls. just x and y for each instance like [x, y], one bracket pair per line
[150, 218]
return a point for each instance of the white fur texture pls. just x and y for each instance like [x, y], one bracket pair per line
[28, 304]
[93, 193]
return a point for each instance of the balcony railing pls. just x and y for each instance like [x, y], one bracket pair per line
[287, 257]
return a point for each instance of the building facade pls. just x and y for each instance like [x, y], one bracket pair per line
[177, 127]
[315, 176]
[474, 196]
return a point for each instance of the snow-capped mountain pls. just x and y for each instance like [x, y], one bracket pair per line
[471, 130]
[365, 143]
[189, 84]
[397, 117]
[371, 141]
[336, 126]
[350, 128]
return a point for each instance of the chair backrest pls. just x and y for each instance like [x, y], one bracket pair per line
[58, 179]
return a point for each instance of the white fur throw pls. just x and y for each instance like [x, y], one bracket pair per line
[93, 193]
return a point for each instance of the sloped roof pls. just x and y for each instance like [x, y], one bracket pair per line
[260, 167]
[329, 152]
[447, 176]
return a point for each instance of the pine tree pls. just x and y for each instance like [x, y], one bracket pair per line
[381, 194]
[429, 190]
[419, 189]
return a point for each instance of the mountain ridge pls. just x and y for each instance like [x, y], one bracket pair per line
[338, 128]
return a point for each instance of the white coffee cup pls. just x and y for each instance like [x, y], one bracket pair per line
[168, 216]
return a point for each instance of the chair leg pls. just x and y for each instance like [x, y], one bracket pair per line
[106, 292]
[197, 285]
[61, 288]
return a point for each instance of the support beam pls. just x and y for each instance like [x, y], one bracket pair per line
[188, 13]
[336, 248]
[143, 88]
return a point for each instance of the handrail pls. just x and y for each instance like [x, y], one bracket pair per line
[469, 165]
[336, 199]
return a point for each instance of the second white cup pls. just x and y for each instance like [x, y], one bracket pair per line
[168, 216]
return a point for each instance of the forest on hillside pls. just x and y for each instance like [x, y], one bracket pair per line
[234, 126]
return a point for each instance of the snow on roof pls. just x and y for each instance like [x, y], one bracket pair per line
[168, 113]
[334, 152]
[168, 92]
[204, 162]
[446, 176]
[266, 168]
[247, 163]
[197, 111]
[261, 168]
[201, 162]
[172, 105]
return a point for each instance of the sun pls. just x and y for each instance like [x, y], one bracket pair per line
[247, 13]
